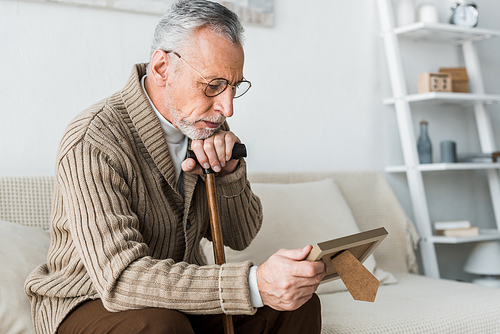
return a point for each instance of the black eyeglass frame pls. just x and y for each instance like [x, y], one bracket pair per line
[208, 83]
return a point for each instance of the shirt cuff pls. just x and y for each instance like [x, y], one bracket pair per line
[255, 298]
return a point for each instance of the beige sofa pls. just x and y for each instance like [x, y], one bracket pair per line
[298, 208]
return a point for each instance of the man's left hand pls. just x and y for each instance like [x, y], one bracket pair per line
[213, 152]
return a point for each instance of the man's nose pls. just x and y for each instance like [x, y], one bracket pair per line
[224, 102]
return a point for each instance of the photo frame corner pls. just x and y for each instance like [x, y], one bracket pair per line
[361, 245]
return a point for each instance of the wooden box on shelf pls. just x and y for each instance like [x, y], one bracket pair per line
[434, 82]
[459, 78]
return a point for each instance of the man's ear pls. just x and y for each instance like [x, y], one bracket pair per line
[159, 68]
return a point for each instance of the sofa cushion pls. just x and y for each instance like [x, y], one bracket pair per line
[417, 304]
[298, 214]
[22, 248]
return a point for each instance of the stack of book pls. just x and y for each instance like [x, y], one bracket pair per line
[455, 228]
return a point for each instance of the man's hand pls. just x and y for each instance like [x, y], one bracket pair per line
[214, 152]
[286, 282]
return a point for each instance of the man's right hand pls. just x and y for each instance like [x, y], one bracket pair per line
[286, 281]
[213, 152]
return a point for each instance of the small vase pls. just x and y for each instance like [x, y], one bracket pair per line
[424, 145]
[405, 12]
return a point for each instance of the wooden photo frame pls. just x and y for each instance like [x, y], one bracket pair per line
[361, 245]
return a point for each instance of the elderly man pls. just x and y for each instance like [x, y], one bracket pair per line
[129, 210]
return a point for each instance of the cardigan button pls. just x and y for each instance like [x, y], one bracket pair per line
[188, 224]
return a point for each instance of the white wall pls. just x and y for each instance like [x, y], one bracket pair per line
[318, 76]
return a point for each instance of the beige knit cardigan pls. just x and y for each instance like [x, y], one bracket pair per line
[122, 232]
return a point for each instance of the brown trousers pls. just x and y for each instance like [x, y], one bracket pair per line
[92, 317]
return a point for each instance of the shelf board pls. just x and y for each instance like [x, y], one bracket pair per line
[484, 235]
[444, 166]
[448, 98]
[444, 33]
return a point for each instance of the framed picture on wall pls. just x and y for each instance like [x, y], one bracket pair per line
[258, 12]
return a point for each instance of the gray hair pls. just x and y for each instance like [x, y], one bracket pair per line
[185, 17]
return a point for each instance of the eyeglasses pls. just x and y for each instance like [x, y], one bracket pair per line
[215, 87]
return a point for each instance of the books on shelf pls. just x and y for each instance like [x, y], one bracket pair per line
[459, 232]
[475, 157]
[455, 228]
[451, 224]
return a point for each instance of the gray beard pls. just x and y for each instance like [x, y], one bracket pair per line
[189, 128]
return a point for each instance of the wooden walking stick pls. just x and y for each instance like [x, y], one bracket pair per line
[239, 151]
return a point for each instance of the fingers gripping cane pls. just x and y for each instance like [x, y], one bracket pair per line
[239, 151]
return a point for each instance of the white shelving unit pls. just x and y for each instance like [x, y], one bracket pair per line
[448, 98]
[476, 100]
[485, 235]
[443, 166]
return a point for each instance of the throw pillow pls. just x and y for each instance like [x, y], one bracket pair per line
[22, 248]
[298, 214]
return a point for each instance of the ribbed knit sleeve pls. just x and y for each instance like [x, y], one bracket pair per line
[106, 234]
[236, 197]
